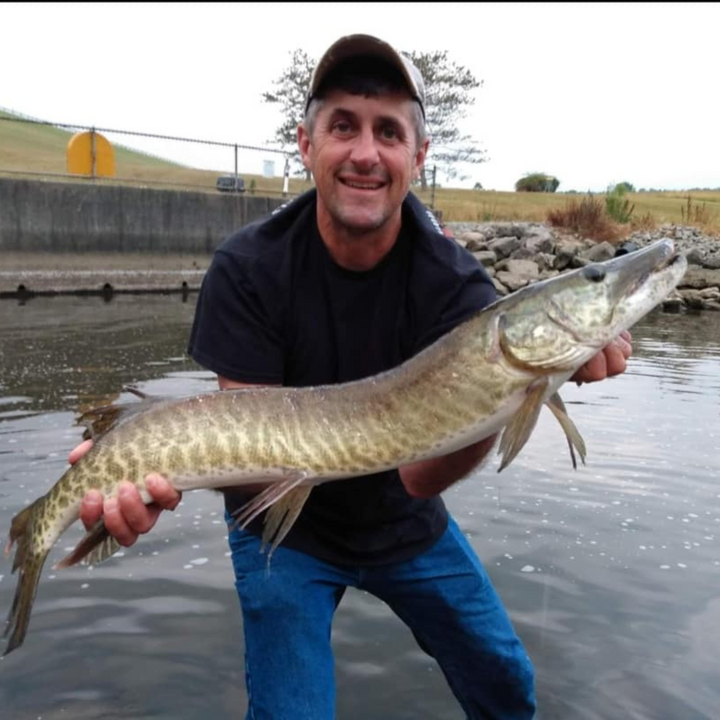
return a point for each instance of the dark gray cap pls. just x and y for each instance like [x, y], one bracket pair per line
[368, 46]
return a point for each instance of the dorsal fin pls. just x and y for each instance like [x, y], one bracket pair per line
[99, 420]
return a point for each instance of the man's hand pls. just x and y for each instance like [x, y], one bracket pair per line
[126, 516]
[612, 360]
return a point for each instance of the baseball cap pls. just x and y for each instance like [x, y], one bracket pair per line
[368, 46]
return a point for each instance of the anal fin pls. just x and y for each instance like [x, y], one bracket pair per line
[282, 516]
[263, 500]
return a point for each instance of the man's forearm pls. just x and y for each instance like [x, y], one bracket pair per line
[430, 477]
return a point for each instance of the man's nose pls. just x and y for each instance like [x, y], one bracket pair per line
[364, 150]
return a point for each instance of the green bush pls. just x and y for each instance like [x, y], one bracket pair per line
[537, 182]
[617, 206]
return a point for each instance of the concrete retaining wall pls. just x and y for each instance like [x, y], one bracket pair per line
[58, 217]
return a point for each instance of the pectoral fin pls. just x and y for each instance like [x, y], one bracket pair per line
[518, 430]
[574, 439]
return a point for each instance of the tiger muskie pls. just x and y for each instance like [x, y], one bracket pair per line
[492, 373]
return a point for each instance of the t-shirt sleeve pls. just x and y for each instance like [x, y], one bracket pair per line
[236, 330]
[454, 298]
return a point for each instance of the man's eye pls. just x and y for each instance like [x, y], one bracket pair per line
[389, 133]
[341, 126]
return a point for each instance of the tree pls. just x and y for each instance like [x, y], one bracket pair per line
[448, 90]
[623, 187]
[448, 93]
[291, 90]
[537, 182]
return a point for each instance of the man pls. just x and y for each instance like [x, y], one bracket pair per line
[343, 282]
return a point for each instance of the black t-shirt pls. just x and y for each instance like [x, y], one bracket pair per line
[275, 308]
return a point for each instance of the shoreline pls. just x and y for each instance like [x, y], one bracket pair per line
[514, 254]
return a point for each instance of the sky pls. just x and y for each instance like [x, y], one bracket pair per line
[592, 93]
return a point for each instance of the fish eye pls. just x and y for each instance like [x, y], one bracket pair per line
[594, 273]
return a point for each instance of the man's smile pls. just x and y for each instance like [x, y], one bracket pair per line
[362, 184]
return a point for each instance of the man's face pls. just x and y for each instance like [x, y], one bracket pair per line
[363, 155]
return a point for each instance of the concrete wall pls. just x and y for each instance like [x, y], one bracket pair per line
[40, 216]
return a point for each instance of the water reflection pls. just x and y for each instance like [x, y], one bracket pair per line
[610, 572]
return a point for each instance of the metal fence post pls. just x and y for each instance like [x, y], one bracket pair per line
[286, 176]
[93, 158]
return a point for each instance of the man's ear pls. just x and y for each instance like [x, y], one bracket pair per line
[420, 157]
[303, 137]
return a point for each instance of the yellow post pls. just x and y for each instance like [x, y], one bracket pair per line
[89, 153]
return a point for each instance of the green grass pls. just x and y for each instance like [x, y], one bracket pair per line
[40, 149]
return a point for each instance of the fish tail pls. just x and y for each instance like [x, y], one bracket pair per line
[29, 560]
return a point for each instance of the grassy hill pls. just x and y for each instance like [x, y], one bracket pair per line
[39, 150]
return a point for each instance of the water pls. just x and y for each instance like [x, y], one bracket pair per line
[611, 573]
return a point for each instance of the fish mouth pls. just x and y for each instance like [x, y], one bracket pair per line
[643, 279]
[673, 259]
[634, 269]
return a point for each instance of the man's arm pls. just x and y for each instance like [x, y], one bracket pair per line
[127, 516]
[430, 477]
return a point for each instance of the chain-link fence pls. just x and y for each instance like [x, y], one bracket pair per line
[33, 147]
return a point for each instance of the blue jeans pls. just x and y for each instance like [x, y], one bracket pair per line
[444, 596]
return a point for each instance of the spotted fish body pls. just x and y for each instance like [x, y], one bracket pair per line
[492, 373]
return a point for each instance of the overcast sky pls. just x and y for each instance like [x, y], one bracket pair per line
[591, 93]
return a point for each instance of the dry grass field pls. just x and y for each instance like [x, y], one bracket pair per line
[40, 151]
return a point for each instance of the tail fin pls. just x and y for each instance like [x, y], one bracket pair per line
[29, 560]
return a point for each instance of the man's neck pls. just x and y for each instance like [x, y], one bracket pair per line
[358, 251]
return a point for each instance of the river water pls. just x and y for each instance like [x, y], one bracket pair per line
[611, 573]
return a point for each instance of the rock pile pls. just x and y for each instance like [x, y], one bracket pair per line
[518, 253]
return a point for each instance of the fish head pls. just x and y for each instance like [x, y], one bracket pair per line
[559, 324]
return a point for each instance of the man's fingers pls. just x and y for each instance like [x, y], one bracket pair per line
[162, 492]
[616, 356]
[593, 369]
[612, 360]
[138, 516]
[77, 452]
[91, 508]
[127, 516]
[116, 524]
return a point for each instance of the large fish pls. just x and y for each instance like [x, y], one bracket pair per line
[493, 372]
